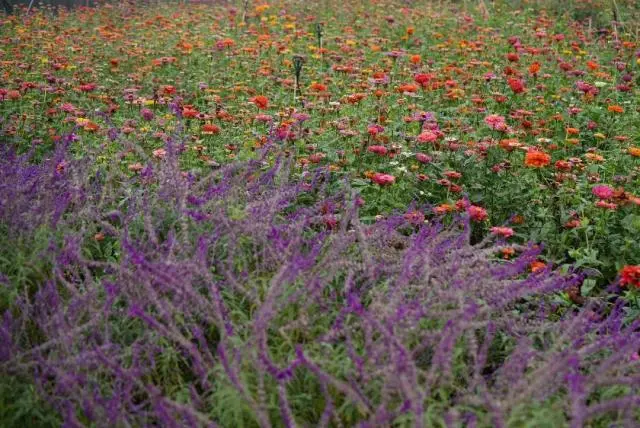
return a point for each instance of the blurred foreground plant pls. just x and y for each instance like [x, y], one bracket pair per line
[241, 297]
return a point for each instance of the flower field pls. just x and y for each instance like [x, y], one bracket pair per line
[333, 213]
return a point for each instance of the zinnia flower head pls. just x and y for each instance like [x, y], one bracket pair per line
[260, 101]
[414, 217]
[383, 179]
[375, 129]
[423, 158]
[427, 137]
[495, 121]
[536, 159]
[379, 150]
[607, 205]
[423, 79]
[634, 151]
[537, 266]
[505, 232]
[516, 85]
[443, 209]
[210, 129]
[602, 191]
[159, 153]
[630, 275]
[147, 114]
[477, 213]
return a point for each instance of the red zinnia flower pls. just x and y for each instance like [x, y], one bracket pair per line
[630, 275]
[169, 90]
[516, 85]
[423, 79]
[210, 129]
[374, 130]
[260, 101]
[318, 87]
[189, 112]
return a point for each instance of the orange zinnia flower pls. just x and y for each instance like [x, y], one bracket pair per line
[592, 65]
[537, 266]
[507, 252]
[510, 144]
[443, 209]
[594, 157]
[615, 108]
[534, 68]
[91, 126]
[537, 159]
[407, 87]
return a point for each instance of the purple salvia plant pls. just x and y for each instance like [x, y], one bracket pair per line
[235, 295]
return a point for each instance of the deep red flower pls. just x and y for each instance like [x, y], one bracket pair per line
[423, 79]
[516, 85]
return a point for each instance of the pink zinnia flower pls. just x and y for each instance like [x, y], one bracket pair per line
[477, 213]
[263, 118]
[379, 150]
[606, 205]
[383, 179]
[427, 137]
[414, 217]
[423, 158]
[505, 232]
[159, 153]
[602, 191]
[496, 122]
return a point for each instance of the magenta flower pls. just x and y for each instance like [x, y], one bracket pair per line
[602, 191]
[423, 158]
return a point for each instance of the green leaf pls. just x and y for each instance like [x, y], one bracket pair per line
[587, 286]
